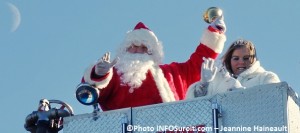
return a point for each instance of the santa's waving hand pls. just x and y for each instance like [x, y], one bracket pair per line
[104, 64]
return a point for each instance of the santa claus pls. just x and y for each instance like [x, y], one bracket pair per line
[137, 77]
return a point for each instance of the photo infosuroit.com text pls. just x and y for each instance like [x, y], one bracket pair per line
[201, 128]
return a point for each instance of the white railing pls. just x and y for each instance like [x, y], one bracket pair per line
[267, 108]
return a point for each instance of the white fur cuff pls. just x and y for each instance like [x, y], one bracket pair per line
[213, 40]
[99, 84]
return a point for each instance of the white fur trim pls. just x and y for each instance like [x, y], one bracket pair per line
[222, 82]
[162, 85]
[99, 84]
[258, 76]
[142, 35]
[213, 40]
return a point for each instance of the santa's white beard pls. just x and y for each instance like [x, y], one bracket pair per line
[133, 68]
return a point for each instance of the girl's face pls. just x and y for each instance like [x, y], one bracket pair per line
[240, 60]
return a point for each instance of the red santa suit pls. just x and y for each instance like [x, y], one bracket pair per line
[162, 82]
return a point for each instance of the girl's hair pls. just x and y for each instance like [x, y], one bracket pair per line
[240, 43]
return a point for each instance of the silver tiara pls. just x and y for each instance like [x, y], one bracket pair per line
[241, 42]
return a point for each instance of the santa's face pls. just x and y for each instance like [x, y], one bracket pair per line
[140, 49]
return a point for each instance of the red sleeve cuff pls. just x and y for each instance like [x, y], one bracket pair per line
[210, 28]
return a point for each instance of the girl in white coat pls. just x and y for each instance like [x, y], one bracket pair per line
[240, 70]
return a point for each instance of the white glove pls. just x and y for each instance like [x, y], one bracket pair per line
[104, 64]
[219, 24]
[208, 70]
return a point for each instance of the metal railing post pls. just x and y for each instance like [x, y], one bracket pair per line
[124, 124]
[216, 114]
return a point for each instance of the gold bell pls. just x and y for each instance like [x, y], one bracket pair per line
[212, 13]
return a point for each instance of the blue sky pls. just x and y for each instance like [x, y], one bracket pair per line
[56, 40]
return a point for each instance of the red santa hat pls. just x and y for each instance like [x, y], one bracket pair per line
[141, 25]
[141, 34]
